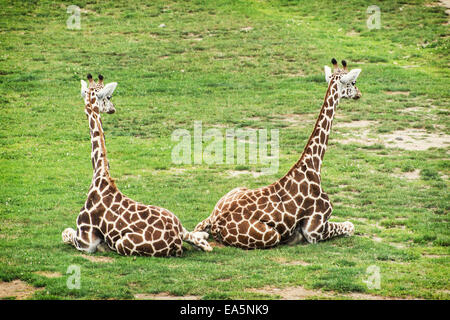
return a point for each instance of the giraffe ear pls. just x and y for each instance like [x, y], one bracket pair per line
[107, 90]
[327, 73]
[84, 88]
[351, 76]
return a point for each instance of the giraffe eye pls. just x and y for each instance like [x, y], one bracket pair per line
[354, 82]
[109, 97]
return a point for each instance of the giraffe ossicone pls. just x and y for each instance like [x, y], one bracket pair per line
[108, 216]
[294, 208]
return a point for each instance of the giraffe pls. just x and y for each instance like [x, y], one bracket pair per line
[294, 208]
[109, 218]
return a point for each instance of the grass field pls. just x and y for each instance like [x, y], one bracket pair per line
[230, 64]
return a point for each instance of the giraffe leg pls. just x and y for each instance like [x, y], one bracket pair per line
[315, 230]
[84, 239]
[197, 239]
[296, 238]
[203, 227]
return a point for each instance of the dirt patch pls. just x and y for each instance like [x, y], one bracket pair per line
[394, 93]
[163, 296]
[416, 139]
[355, 124]
[298, 73]
[399, 246]
[224, 279]
[361, 139]
[296, 120]
[352, 33]
[18, 289]
[433, 256]
[97, 258]
[193, 36]
[412, 175]
[285, 262]
[246, 29]
[300, 293]
[49, 274]
[410, 139]
[290, 293]
[446, 4]
[421, 110]
[377, 239]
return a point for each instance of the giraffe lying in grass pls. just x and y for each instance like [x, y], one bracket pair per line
[108, 216]
[294, 207]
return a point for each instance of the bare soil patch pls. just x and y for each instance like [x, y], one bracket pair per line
[246, 29]
[163, 296]
[377, 239]
[412, 175]
[300, 293]
[446, 4]
[433, 256]
[352, 33]
[398, 245]
[416, 139]
[97, 258]
[355, 124]
[409, 139]
[296, 120]
[49, 274]
[18, 289]
[298, 73]
[392, 93]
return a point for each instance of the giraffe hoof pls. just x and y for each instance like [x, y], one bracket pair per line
[207, 248]
[202, 234]
[67, 235]
[103, 247]
[350, 228]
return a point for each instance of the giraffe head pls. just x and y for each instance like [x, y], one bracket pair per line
[346, 80]
[97, 97]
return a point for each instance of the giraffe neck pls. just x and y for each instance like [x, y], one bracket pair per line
[309, 165]
[100, 163]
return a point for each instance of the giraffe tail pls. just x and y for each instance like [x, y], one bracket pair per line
[197, 239]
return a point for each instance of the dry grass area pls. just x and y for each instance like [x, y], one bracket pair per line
[49, 274]
[16, 289]
[300, 293]
[163, 296]
[97, 259]
[415, 139]
[408, 139]
[412, 175]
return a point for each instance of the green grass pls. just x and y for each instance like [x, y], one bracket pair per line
[204, 66]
